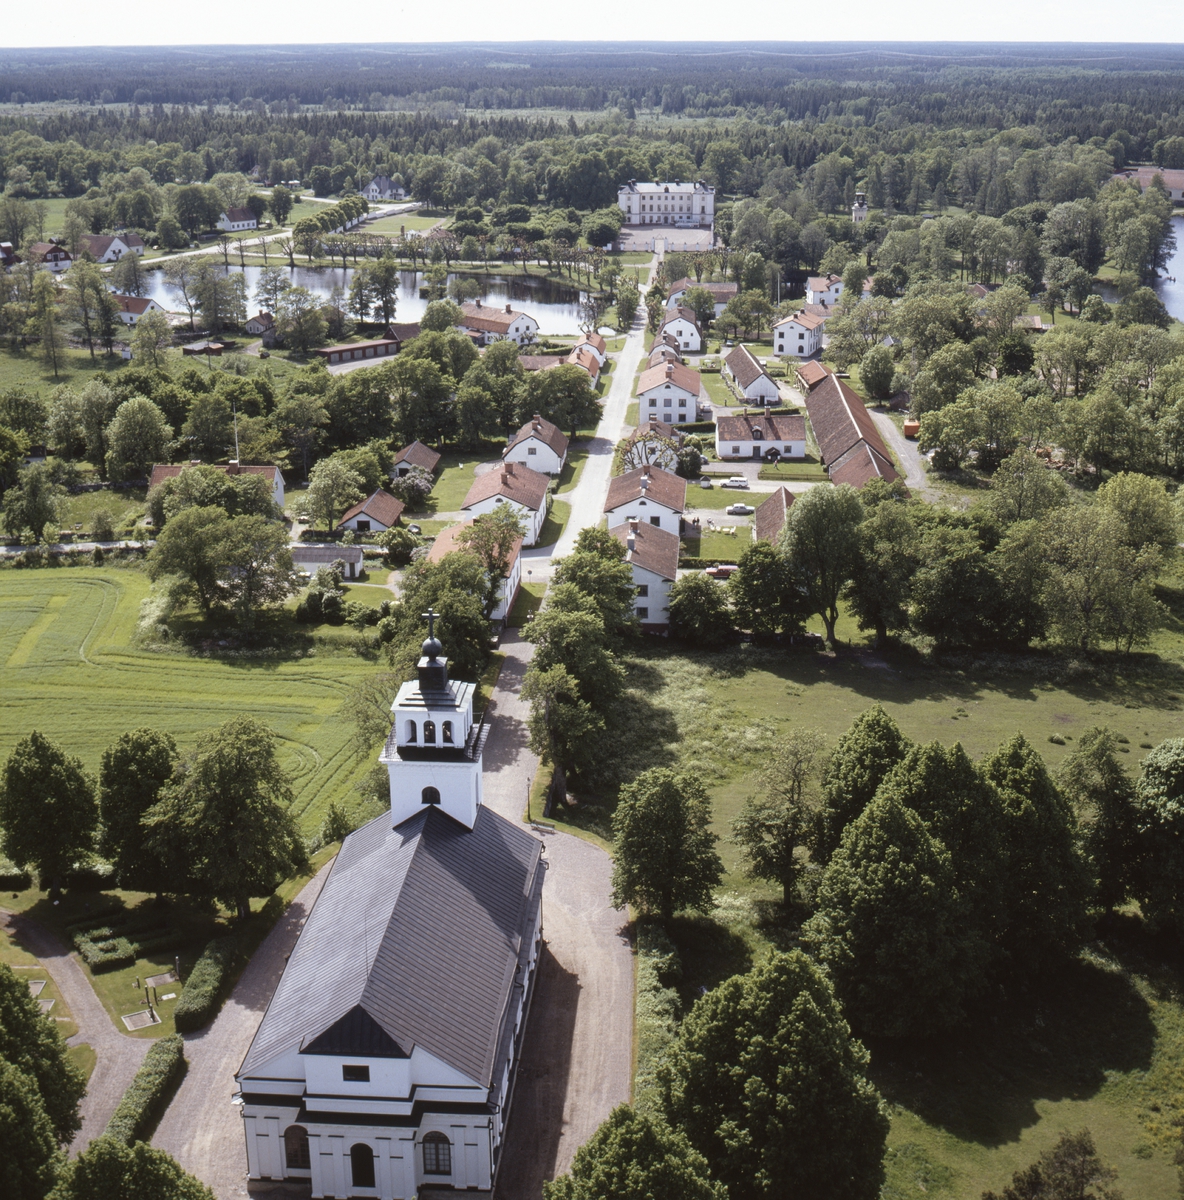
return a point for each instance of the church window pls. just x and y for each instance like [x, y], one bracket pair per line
[446, 731]
[437, 1154]
[351, 1073]
[361, 1164]
[429, 731]
[430, 795]
[411, 731]
[296, 1148]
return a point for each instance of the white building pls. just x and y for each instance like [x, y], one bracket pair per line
[859, 209]
[760, 435]
[750, 378]
[163, 471]
[798, 336]
[686, 205]
[235, 220]
[680, 324]
[379, 512]
[824, 289]
[381, 187]
[721, 292]
[132, 308]
[449, 541]
[495, 325]
[522, 488]
[538, 445]
[670, 392]
[109, 248]
[310, 557]
[385, 1062]
[649, 495]
[652, 555]
[594, 344]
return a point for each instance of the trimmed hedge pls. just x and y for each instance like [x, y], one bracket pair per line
[201, 996]
[144, 1102]
[105, 953]
[117, 938]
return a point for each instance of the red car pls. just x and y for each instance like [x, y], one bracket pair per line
[721, 571]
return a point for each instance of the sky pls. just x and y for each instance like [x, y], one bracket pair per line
[219, 22]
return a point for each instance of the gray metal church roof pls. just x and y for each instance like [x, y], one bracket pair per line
[414, 940]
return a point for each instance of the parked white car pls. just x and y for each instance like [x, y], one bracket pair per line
[736, 481]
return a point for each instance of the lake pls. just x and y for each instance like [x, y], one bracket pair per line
[555, 306]
[1169, 287]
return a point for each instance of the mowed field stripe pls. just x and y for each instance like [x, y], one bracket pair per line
[28, 643]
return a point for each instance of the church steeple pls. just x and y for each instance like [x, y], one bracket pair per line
[433, 754]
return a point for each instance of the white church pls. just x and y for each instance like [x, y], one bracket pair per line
[385, 1063]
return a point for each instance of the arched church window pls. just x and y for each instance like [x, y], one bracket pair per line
[429, 731]
[361, 1163]
[430, 795]
[437, 1154]
[447, 732]
[411, 731]
[296, 1148]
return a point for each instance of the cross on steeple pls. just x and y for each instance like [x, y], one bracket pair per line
[430, 617]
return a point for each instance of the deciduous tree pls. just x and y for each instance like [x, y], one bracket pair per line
[47, 808]
[132, 773]
[664, 856]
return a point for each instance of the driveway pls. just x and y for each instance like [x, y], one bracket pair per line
[118, 1057]
[910, 457]
[577, 1060]
[202, 1129]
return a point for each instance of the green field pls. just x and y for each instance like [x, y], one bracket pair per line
[69, 668]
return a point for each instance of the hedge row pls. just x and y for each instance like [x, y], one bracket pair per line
[144, 1102]
[657, 1009]
[107, 954]
[202, 995]
[107, 945]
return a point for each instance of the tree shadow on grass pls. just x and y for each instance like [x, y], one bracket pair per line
[710, 952]
[1058, 1040]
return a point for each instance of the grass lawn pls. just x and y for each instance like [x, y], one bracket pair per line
[125, 508]
[455, 475]
[718, 498]
[69, 667]
[712, 544]
[75, 367]
[26, 966]
[717, 391]
[1098, 1045]
[399, 221]
[554, 524]
[633, 414]
[573, 468]
[529, 601]
[807, 469]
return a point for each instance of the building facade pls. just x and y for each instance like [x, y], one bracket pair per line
[684, 205]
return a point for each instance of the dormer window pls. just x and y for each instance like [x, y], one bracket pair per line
[429, 732]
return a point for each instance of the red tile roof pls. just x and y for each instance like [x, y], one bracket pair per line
[138, 305]
[418, 455]
[819, 283]
[448, 540]
[844, 429]
[784, 427]
[653, 549]
[380, 506]
[163, 471]
[593, 339]
[541, 362]
[663, 487]
[744, 368]
[806, 320]
[812, 373]
[653, 425]
[542, 429]
[685, 313]
[513, 481]
[489, 320]
[672, 372]
[583, 357]
[721, 291]
[769, 518]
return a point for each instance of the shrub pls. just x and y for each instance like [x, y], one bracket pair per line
[102, 525]
[105, 953]
[657, 1008]
[202, 994]
[145, 1101]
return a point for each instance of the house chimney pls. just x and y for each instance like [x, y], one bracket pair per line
[669, 370]
[506, 474]
[645, 480]
[508, 308]
[509, 468]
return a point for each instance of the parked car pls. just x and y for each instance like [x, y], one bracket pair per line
[721, 570]
[739, 510]
[705, 483]
[736, 481]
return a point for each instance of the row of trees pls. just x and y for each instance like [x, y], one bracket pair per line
[1027, 565]
[213, 824]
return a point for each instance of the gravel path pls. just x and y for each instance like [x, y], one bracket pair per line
[577, 1060]
[910, 457]
[118, 1056]
[202, 1130]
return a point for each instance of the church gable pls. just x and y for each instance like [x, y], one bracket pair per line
[357, 1034]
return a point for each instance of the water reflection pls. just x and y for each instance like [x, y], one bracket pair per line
[1169, 287]
[556, 306]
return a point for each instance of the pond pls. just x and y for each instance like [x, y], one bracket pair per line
[556, 306]
[1169, 287]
